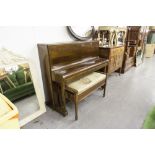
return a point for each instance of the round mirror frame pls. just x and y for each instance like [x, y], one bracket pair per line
[69, 28]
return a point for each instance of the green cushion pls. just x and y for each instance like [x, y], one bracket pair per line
[13, 78]
[20, 76]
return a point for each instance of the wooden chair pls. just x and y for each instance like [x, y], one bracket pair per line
[8, 81]
[78, 90]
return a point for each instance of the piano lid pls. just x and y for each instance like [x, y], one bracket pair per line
[79, 67]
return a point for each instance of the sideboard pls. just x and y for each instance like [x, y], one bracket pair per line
[115, 55]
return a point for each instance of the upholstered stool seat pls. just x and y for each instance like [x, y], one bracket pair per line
[86, 82]
[78, 90]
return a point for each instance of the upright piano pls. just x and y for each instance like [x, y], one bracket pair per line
[67, 62]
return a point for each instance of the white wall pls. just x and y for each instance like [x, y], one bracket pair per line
[24, 40]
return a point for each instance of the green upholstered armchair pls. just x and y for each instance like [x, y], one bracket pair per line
[17, 85]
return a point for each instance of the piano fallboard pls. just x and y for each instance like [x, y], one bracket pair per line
[76, 71]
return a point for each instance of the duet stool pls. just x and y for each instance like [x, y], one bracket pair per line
[80, 89]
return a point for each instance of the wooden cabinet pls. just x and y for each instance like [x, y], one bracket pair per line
[134, 47]
[130, 47]
[115, 56]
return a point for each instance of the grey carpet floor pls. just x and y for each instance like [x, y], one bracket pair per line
[128, 99]
[27, 106]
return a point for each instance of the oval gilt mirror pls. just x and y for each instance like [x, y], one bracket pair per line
[81, 32]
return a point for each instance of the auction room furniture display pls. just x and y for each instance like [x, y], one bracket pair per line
[9, 118]
[66, 63]
[132, 43]
[150, 46]
[115, 55]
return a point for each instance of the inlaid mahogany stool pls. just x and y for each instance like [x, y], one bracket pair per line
[78, 90]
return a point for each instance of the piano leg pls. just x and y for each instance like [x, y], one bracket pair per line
[63, 105]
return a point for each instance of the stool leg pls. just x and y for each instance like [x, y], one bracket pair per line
[76, 111]
[76, 107]
[104, 86]
[104, 91]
